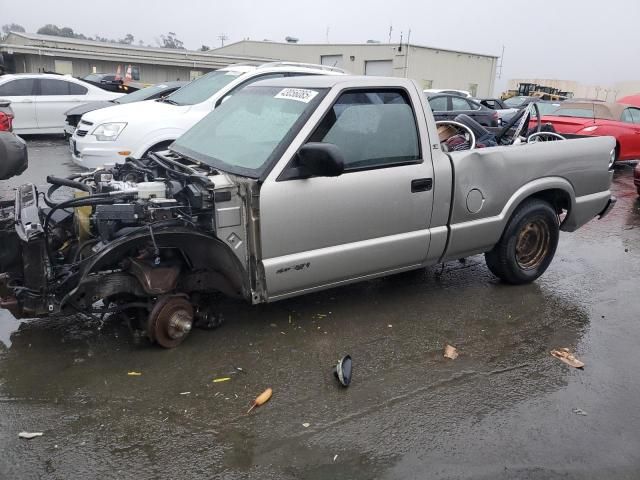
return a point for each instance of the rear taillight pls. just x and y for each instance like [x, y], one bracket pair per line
[6, 121]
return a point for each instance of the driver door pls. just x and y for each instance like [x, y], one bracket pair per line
[372, 219]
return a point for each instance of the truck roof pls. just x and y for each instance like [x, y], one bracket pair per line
[329, 81]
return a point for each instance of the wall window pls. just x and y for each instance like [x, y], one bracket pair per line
[65, 67]
[372, 128]
[135, 73]
[427, 84]
[473, 89]
[193, 74]
[331, 60]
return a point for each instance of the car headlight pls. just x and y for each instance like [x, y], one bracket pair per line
[612, 158]
[108, 132]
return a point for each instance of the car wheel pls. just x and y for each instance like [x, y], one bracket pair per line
[527, 245]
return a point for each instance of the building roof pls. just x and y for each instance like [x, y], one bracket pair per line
[370, 45]
[33, 43]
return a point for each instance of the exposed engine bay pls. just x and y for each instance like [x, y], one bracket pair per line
[153, 238]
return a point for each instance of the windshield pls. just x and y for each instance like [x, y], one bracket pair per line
[94, 77]
[547, 108]
[515, 102]
[142, 94]
[201, 89]
[575, 112]
[241, 134]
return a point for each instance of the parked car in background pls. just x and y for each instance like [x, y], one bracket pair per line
[504, 112]
[597, 119]
[107, 81]
[448, 107]
[150, 93]
[109, 135]
[39, 101]
[6, 116]
[435, 91]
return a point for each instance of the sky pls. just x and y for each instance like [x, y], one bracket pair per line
[591, 41]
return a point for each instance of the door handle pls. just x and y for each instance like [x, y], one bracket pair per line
[421, 185]
[23, 101]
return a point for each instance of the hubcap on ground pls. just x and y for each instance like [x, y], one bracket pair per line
[532, 244]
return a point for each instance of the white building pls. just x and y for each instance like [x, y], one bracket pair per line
[431, 67]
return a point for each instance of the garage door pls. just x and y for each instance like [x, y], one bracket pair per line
[331, 60]
[380, 68]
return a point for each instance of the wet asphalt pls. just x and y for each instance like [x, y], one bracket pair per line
[504, 409]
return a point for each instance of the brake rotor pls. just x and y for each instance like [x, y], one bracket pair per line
[170, 321]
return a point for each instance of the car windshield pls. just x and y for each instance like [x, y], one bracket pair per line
[142, 94]
[515, 102]
[547, 108]
[94, 77]
[243, 133]
[575, 112]
[204, 87]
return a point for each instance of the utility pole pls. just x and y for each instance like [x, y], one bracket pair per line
[222, 38]
[499, 68]
[390, 31]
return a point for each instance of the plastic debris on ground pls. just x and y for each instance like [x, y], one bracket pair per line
[579, 411]
[261, 399]
[306, 425]
[221, 379]
[29, 435]
[342, 371]
[134, 374]
[565, 355]
[450, 352]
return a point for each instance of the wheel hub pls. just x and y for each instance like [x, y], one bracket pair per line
[170, 321]
[532, 244]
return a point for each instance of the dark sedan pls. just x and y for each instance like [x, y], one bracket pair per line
[448, 107]
[150, 93]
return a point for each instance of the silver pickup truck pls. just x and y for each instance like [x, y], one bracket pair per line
[293, 185]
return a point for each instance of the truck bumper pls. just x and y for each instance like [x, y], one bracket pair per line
[610, 203]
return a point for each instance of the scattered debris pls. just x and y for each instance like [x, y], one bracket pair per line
[342, 370]
[221, 379]
[567, 357]
[450, 352]
[29, 435]
[335, 457]
[390, 326]
[261, 399]
[579, 411]
[240, 369]
[185, 393]
[306, 425]
[273, 325]
[134, 374]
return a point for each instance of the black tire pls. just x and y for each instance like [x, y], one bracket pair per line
[527, 245]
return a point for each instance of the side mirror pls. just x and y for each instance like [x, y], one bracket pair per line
[316, 159]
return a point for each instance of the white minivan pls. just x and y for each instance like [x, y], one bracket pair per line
[39, 100]
[111, 134]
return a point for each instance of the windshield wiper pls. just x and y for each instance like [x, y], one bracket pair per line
[169, 101]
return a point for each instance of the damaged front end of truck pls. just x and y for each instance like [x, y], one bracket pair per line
[155, 239]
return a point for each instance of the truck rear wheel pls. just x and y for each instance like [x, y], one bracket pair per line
[527, 245]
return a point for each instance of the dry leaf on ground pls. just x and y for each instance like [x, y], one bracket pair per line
[567, 357]
[262, 398]
[450, 352]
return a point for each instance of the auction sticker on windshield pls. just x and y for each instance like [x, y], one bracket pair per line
[299, 94]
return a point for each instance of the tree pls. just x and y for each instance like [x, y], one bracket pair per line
[171, 41]
[12, 27]
[204, 48]
[127, 40]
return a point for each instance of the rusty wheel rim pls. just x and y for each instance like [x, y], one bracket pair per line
[532, 244]
[170, 321]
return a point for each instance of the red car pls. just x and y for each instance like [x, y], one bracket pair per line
[6, 116]
[598, 119]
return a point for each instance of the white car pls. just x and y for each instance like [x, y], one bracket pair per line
[111, 134]
[40, 100]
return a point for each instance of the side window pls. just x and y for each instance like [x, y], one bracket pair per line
[53, 87]
[18, 88]
[635, 115]
[75, 89]
[459, 103]
[372, 128]
[438, 104]
[626, 116]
